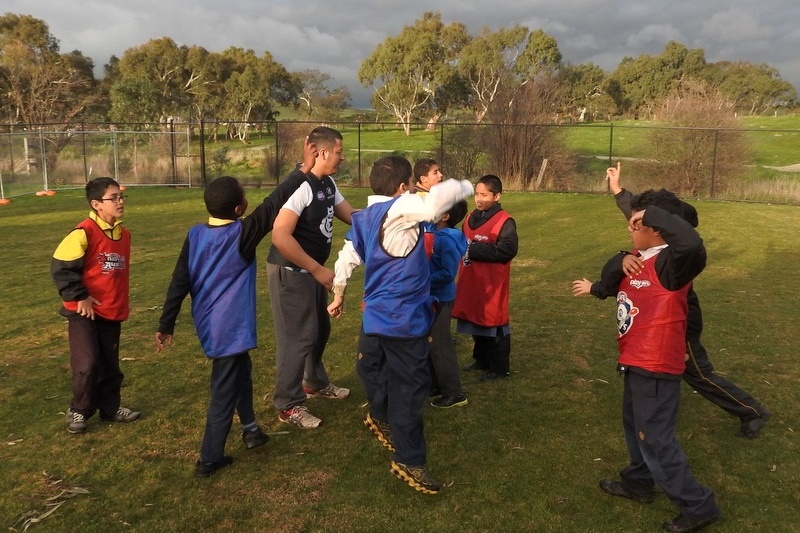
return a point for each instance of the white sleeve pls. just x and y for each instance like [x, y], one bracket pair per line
[346, 263]
[400, 233]
[337, 196]
[411, 209]
[300, 199]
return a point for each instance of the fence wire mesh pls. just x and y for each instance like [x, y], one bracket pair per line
[732, 164]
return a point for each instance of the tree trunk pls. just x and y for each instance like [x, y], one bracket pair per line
[433, 121]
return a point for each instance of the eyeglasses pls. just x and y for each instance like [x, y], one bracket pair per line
[116, 199]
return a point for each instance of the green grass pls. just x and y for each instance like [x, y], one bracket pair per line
[525, 454]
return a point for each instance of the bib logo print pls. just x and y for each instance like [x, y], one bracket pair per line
[110, 262]
[326, 226]
[626, 312]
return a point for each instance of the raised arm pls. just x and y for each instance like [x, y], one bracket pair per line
[260, 222]
[685, 257]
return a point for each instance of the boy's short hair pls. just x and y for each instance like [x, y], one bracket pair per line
[96, 188]
[423, 166]
[222, 196]
[662, 198]
[457, 213]
[388, 173]
[324, 137]
[492, 182]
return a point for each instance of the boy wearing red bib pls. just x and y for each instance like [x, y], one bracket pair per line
[651, 321]
[90, 269]
[484, 280]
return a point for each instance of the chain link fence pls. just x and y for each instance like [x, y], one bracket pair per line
[731, 164]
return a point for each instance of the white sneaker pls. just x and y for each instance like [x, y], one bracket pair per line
[331, 392]
[300, 417]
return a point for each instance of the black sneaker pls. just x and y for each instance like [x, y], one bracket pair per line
[473, 366]
[683, 523]
[492, 376]
[380, 430]
[122, 414]
[616, 488]
[417, 477]
[750, 428]
[253, 438]
[450, 401]
[202, 469]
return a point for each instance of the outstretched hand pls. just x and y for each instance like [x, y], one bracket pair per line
[581, 287]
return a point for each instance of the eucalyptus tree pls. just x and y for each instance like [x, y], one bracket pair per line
[41, 84]
[150, 83]
[316, 97]
[410, 72]
[254, 89]
[512, 56]
[751, 88]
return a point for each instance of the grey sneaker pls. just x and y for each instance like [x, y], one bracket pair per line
[331, 392]
[122, 414]
[417, 477]
[300, 417]
[76, 422]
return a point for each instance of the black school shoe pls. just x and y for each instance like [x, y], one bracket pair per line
[683, 523]
[253, 438]
[450, 401]
[750, 428]
[616, 488]
[492, 376]
[473, 366]
[202, 469]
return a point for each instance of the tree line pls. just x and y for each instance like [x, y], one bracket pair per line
[427, 71]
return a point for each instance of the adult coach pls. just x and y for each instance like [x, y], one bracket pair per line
[299, 284]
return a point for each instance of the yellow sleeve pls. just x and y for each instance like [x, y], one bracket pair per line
[73, 246]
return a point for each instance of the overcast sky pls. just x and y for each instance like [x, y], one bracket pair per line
[335, 36]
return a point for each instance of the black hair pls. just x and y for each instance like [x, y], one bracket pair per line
[662, 198]
[222, 196]
[388, 173]
[422, 167]
[689, 214]
[96, 188]
[324, 137]
[492, 182]
[457, 213]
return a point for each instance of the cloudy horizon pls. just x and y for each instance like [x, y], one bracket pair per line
[335, 40]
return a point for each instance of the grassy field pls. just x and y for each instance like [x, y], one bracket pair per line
[525, 454]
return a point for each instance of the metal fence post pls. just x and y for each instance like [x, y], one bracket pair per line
[359, 154]
[83, 148]
[202, 153]
[441, 144]
[277, 155]
[171, 121]
[11, 149]
[714, 162]
[43, 156]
